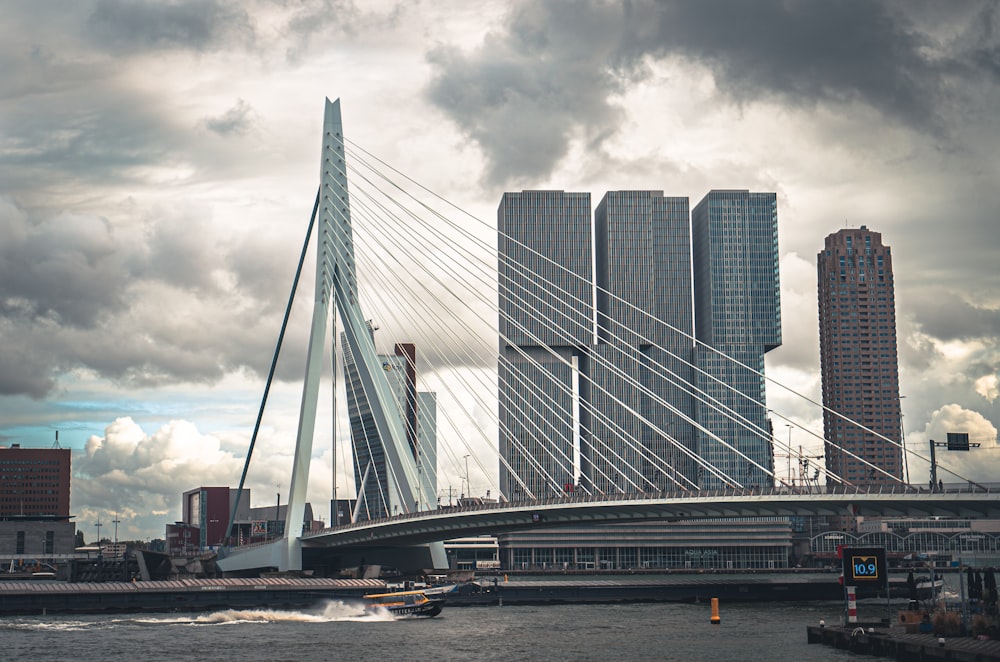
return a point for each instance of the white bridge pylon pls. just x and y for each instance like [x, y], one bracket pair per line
[336, 280]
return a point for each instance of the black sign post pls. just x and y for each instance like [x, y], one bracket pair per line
[865, 566]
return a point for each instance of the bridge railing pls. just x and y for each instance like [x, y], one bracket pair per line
[701, 494]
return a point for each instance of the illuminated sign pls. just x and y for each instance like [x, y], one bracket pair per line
[864, 566]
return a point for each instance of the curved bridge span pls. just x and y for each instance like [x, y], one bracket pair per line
[493, 518]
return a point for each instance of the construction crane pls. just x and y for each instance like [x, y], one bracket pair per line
[804, 467]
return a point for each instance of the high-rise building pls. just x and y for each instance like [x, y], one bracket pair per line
[606, 395]
[371, 475]
[858, 360]
[737, 316]
[546, 326]
[642, 246]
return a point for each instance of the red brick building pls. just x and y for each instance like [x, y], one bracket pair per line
[858, 357]
[34, 482]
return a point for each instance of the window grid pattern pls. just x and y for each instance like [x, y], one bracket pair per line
[858, 357]
[738, 313]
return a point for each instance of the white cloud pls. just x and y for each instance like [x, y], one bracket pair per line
[988, 386]
[977, 464]
[141, 476]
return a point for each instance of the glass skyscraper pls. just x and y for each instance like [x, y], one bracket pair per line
[596, 377]
[737, 314]
[644, 310]
[546, 327]
[419, 414]
[858, 359]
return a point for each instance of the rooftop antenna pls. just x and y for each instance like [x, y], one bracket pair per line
[56, 445]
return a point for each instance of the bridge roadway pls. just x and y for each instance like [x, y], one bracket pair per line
[494, 518]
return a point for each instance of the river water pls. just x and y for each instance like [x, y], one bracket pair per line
[343, 631]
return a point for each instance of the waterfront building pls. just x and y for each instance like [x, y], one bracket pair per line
[207, 510]
[472, 553]
[34, 482]
[579, 385]
[418, 411]
[546, 328]
[916, 542]
[644, 349]
[738, 543]
[34, 503]
[858, 358]
[737, 321]
[273, 519]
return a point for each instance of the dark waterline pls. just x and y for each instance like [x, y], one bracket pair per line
[339, 631]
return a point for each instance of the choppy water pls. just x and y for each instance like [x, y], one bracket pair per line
[343, 631]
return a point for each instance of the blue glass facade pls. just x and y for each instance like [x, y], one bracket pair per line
[738, 313]
[419, 411]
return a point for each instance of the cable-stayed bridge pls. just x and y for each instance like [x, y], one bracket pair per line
[607, 410]
[426, 526]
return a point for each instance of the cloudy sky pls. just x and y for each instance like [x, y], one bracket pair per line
[158, 162]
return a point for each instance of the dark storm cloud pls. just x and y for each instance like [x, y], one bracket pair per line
[552, 68]
[22, 370]
[150, 302]
[525, 92]
[64, 270]
[238, 120]
[84, 140]
[129, 26]
[947, 317]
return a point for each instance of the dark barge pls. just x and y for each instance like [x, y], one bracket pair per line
[52, 597]
[181, 595]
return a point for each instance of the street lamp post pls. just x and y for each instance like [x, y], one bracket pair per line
[902, 441]
[789, 451]
[116, 522]
[468, 485]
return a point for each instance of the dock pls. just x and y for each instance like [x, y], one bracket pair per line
[895, 643]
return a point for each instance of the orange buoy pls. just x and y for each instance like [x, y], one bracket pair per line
[715, 612]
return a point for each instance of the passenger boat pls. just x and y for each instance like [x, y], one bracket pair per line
[405, 603]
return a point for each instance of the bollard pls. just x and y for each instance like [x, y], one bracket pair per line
[715, 612]
[852, 604]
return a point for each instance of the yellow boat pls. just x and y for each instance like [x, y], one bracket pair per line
[405, 603]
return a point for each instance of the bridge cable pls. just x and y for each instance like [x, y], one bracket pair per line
[274, 363]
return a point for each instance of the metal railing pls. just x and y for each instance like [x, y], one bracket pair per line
[766, 493]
